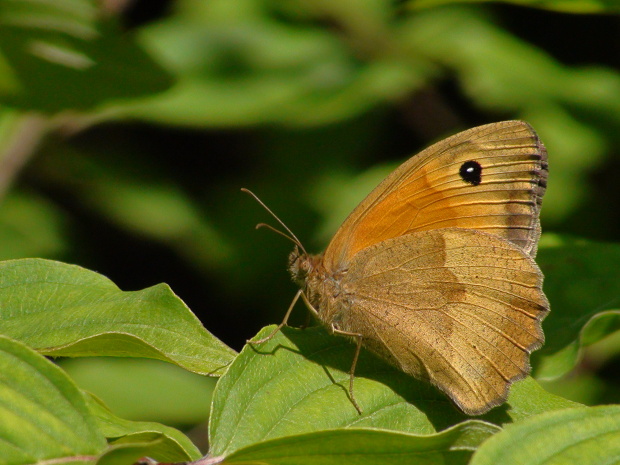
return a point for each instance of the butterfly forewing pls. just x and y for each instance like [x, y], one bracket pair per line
[490, 178]
[460, 308]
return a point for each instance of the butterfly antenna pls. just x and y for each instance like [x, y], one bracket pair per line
[290, 236]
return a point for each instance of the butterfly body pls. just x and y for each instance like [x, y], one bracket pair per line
[434, 271]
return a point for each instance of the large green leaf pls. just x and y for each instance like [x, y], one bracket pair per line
[588, 435]
[43, 415]
[297, 382]
[582, 281]
[61, 55]
[361, 447]
[62, 309]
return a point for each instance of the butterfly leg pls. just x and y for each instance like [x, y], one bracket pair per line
[358, 348]
[357, 336]
[284, 321]
[310, 307]
[311, 311]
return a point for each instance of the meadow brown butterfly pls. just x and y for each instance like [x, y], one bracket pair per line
[434, 271]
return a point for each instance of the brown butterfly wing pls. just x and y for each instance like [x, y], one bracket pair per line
[460, 308]
[490, 178]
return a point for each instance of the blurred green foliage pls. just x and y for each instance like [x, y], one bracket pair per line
[126, 132]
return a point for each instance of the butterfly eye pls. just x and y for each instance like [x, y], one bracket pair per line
[471, 172]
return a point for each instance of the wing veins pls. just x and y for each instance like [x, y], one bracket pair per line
[494, 328]
[447, 342]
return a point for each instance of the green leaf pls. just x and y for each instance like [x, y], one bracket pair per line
[43, 415]
[256, 67]
[114, 427]
[360, 447]
[128, 454]
[85, 314]
[566, 6]
[65, 46]
[582, 281]
[484, 57]
[307, 372]
[528, 398]
[588, 435]
[128, 449]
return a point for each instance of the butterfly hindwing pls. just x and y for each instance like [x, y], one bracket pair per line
[460, 308]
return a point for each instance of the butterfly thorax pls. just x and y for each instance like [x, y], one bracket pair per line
[321, 286]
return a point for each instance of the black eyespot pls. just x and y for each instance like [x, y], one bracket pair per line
[471, 172]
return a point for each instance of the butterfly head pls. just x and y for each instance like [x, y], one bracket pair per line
[300, 265]
[308, 273]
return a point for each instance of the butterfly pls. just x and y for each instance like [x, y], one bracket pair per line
[434, 270]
